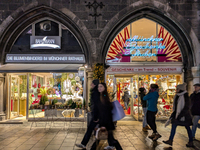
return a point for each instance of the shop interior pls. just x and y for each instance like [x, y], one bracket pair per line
[167, 85]
[48, 95]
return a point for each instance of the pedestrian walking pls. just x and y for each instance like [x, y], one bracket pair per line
[95, 98]
[103, 115]
[152, 100]
[181, 114]
[142, 93]
[126, 98]
[195, 110]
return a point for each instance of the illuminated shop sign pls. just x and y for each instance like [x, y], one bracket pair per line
[45, 58]
[132, 48]
[45, 42]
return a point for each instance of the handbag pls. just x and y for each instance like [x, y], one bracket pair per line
[101, 134]
[118, 111]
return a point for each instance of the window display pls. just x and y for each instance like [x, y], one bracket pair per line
[56, 94]
[167, 86]
[50, 94]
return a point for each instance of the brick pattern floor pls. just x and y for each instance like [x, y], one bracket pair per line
[60, 137]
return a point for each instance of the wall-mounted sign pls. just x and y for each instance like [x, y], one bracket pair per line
[177, 69]
[45, 58]
[142, 47]
[45, 42]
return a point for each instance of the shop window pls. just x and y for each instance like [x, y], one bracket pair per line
[56, 94]
[18, 95]
[144, 41]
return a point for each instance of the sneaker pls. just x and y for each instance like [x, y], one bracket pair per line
[156, 137]
[169, 142]
[109, 147]
[148, 128]
[152, 136]
[190, 144]
[144, 129]
[81, 146]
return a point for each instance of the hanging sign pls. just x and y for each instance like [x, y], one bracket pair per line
[45, 42]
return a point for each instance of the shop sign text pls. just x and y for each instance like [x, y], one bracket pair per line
[50, 58]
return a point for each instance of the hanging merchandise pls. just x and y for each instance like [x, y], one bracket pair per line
[39, 85]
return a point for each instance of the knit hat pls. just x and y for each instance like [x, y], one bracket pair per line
[182, 86]
[95, 82]
[197, 84]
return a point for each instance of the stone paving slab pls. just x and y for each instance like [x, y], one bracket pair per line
[60, 137]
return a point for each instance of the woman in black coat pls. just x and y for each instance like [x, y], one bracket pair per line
[103, 115]
[181, 114]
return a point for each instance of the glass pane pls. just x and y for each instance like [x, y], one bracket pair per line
[56, 94]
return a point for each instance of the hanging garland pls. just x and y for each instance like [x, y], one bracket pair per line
[98, 72]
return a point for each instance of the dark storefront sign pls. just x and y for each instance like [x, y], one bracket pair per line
[45, 58]
[45, 42]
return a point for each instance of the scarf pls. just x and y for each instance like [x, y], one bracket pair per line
[180, 104]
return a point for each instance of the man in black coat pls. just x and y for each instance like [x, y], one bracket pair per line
[95, 98]
[195, 110]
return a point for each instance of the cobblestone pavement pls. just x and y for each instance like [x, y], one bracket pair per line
[60, 137]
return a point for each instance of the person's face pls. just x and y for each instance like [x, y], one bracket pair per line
[92, 85]
[145, 91]
[101, 88]
[196, 88]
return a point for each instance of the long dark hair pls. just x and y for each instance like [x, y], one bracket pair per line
[105, 95]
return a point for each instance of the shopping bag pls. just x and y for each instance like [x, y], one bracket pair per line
[101, 134]
[118, 111]
[168, 122]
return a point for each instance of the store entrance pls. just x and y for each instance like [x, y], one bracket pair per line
[124, 94]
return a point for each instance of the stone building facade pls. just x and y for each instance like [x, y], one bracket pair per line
[180, 17]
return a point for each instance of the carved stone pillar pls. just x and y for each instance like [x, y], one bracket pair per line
[89, 74]
[2, 115]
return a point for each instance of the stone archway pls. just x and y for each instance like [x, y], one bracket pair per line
[160, 13]
[16, 25]
[166, 17]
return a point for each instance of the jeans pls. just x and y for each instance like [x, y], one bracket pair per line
[145, 116]
[151, 120]
[111, 140]
[195, 124]
[173, 131]
[88, 133]
[126, 105]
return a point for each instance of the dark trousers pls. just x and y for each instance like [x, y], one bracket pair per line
[111, 141]
[88, 133]
[151, 120]
[173, 131]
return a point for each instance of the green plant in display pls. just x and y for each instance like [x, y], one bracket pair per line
[73, 82]
[43, 100]
[69, 103]
[73, 106]
[80, 106]
[54, 102]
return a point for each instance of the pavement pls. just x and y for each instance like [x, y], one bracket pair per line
[63, 136]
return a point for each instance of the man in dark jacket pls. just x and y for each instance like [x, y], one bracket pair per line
[94, 101]
[195, 110]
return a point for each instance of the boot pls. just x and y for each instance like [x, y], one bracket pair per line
[169, 142]
[148, 128]
[190, 144]
[144, 129]
[152, 136]
[156, 137]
